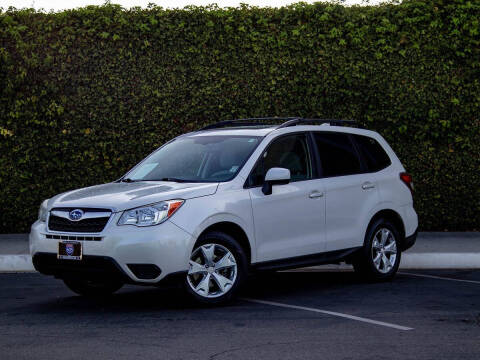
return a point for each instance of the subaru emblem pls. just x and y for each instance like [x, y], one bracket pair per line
[75, 215]
[69, 249]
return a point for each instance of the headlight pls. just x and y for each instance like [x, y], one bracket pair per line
[42, 212]
[150, 215]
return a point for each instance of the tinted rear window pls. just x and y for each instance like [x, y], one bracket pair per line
[337, 154]
[372, 152]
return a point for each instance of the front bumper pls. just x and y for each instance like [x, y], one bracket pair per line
[132, 254]
[90, 267]
[94, 268]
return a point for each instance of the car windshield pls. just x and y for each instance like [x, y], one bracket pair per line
[196, 159]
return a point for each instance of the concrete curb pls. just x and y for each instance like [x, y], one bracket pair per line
[433, 250]
[419, 261]
[16, 263]
[440, 261]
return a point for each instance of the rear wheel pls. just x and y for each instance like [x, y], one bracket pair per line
[92, 288]
[380, 257]
[217, 268]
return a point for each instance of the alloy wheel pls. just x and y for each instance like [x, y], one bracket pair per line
[384, 250]
[212, 270]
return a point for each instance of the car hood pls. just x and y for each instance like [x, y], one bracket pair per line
[121, 196]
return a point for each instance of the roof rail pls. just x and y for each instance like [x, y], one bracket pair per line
[302, 121]
[288, 121]
[246, 122]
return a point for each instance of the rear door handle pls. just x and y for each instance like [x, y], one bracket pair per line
[315, 194]
[368, 185]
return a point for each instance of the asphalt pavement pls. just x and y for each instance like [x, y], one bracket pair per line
[431, 314]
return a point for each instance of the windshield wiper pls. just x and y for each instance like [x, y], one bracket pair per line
[175, 180]
[172, 179]
[128, 180]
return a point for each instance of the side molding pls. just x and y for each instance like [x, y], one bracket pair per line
[307, 260]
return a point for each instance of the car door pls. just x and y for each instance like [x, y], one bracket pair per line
[350, 193]
[290, 221]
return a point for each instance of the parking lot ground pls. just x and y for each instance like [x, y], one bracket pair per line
[284, 315]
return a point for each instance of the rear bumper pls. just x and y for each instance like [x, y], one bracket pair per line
[409, 241]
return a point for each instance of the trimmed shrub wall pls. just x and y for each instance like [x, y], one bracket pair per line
[87, 93]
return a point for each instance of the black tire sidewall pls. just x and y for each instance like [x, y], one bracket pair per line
[220, 238]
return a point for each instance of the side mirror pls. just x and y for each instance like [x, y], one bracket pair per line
[275, 176]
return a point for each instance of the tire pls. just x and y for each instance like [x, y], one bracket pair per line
[217, 269]
[379, 261]
[90, 288]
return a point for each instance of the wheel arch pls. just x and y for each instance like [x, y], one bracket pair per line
[235, 231]
[391, 215]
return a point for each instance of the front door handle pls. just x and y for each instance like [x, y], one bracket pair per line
[368, 185]
[315, 194]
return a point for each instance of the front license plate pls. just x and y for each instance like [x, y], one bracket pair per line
[70, 250]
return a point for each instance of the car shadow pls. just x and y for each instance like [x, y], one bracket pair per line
[290, 282]
[140, 299]
[145, 299]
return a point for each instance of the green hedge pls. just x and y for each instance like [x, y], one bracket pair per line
[87, 93]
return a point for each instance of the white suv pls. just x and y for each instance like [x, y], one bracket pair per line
[208, 207]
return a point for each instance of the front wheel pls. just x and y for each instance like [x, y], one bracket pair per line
[217, 268]
[92, 288]
[380, 256]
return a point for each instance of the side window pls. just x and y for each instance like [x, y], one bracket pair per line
[290, 152]
[372, 152]
[337, 154]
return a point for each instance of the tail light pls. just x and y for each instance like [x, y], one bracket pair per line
[407, 180]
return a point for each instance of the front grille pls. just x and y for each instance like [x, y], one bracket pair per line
[59, 221]
[74, 237]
